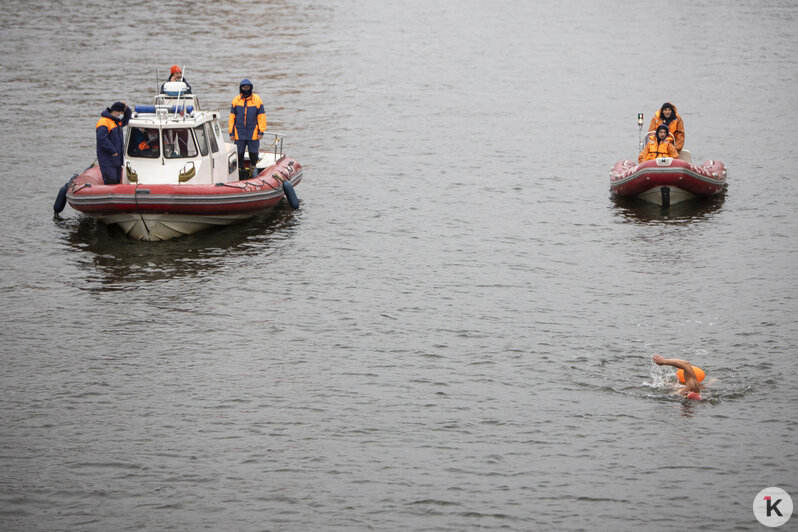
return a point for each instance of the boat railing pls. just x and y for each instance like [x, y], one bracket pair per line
[652, 134]
[171, 114]
[162, 117]
[276, 147]
[182, 101]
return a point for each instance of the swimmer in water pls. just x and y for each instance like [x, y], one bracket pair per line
[691, 386]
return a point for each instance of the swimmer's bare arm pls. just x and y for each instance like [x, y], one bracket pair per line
[690, 382]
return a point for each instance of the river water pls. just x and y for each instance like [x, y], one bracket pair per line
[454, 332]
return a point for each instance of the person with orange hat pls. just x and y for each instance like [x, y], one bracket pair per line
[691, 376]
[176, 74]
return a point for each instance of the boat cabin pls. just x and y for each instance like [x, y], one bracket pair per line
[174, 141]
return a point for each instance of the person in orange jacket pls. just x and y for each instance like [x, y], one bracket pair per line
[659, 146]
[247, 124]
[667, 115]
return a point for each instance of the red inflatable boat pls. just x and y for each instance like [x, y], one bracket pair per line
[666, 181]
[164, 211]
[181, 175]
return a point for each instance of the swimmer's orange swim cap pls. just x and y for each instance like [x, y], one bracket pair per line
[699, 374]
[693, 395]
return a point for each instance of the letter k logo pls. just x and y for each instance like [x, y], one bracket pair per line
[773, 507]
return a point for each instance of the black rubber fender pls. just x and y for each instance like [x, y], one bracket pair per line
[61, 199]
[290, 195]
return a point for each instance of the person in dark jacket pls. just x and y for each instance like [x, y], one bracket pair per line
[111, 140]
[143, 142]
[176, 74]
[247, 124]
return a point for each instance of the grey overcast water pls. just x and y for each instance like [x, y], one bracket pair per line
[455, 330]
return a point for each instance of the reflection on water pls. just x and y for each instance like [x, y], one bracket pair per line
[118, 260]
[643, 212]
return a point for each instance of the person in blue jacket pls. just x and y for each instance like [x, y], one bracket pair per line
[247, 125]
[111, 140]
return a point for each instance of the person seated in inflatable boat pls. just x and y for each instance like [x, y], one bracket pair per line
[692, 386]
[659, 146]
[667, 115]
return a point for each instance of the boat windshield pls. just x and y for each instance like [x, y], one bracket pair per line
[144, 142]
[178, 143]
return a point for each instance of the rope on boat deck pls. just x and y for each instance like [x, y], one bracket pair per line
[262, 182]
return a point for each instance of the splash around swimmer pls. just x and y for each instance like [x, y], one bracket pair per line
[690, 376]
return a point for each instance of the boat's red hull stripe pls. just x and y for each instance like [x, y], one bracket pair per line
[672, 173]
[89, 195]
[628, 179]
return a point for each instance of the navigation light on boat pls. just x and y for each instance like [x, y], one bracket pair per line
[639, 119]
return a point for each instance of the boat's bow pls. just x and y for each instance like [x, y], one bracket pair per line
[665, 180]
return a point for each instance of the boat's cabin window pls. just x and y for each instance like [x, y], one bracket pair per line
[212, 138]
[199, 131]
[144, 142]
[178, 143]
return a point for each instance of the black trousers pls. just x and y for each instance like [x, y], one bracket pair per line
[112, 175]
[252, 147]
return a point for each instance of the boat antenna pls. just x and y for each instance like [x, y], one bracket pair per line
[640, 134]
[177, 103]
[180, 94]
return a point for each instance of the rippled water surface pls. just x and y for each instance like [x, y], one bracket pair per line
[454, 331]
